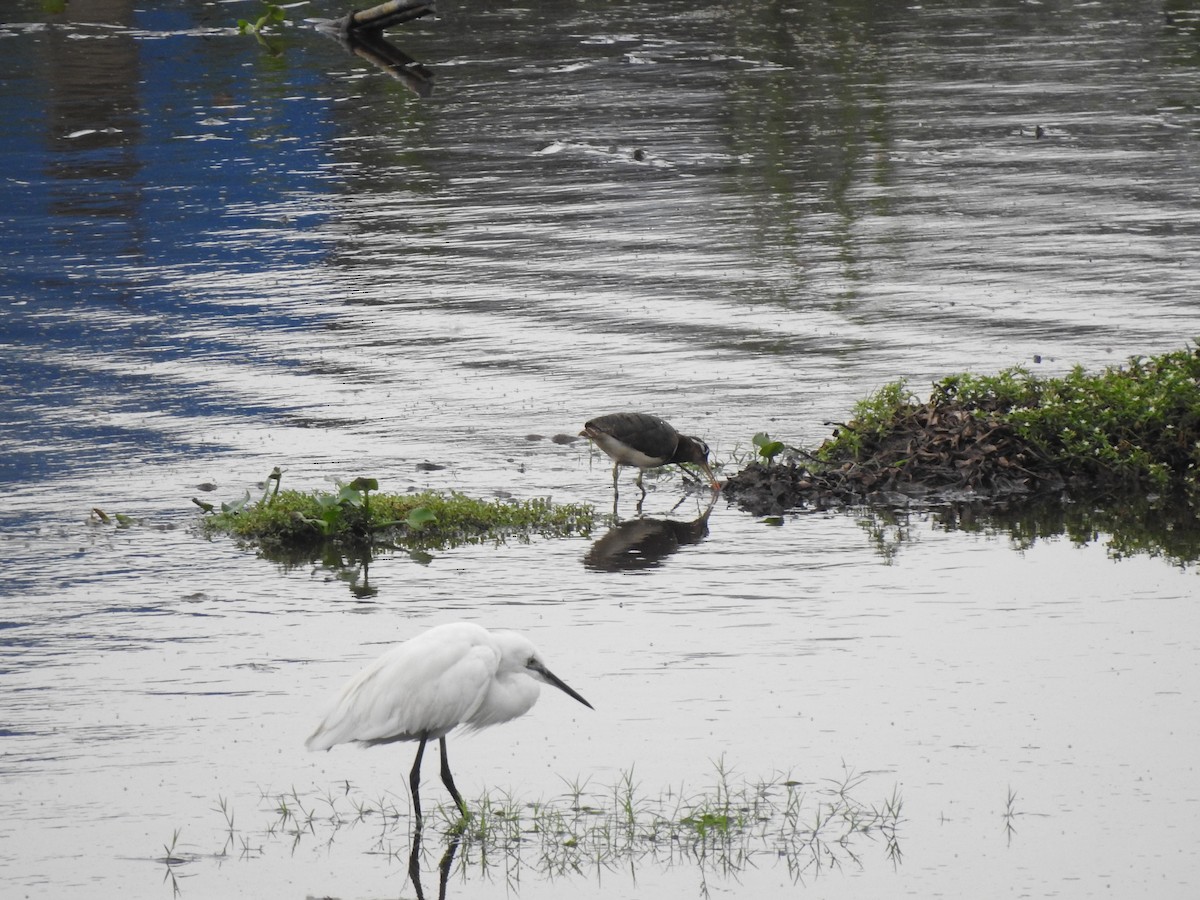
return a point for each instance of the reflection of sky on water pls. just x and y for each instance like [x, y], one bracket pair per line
[145, 151]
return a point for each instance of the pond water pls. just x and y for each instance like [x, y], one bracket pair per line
[221, 257]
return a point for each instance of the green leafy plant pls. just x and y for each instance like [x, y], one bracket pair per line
[767, 448]
[273, 15]
[873, 418]
[1137, 422]
[120, 520]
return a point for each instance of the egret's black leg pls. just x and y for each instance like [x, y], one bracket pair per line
[414, 781]
[616, 490]
[448, 780]
[414, 864]
[446, 863]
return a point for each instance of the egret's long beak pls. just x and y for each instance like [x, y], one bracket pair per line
[552, 679]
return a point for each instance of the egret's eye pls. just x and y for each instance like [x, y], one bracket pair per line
[531, 663]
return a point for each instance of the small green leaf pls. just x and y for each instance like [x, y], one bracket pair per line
[419, 517]
[365, 484]
[350, 495]
[767, 448]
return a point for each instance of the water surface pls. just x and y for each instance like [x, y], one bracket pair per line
[218, 260]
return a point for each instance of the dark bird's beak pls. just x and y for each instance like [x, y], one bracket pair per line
[712, 479]
[551, 678]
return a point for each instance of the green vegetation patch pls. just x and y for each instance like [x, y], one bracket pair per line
[1138, 423]
[1128, 429]
[1132, 425]
[355, 515]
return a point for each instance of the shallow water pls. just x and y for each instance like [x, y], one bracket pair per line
[217, 261]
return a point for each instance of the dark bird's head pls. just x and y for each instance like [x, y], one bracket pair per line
[695, 451]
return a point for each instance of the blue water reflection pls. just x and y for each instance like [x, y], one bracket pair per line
[136, 157]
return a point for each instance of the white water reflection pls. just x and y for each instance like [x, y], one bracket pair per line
[249, 261]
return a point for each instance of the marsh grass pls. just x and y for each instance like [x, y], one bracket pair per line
[1009, 815]
[723, 828]
[286, 523]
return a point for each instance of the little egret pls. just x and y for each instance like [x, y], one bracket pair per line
[646, 441]
[451, 675]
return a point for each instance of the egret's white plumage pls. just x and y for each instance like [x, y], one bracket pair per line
[451, 675]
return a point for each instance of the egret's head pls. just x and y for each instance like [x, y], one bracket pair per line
[519, 655]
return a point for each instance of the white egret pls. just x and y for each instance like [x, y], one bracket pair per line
[451, 675]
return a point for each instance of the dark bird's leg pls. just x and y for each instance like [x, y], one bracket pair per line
[414, 782]
[448, 781]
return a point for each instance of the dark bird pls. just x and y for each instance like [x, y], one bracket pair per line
[645, 441]
[451, 675]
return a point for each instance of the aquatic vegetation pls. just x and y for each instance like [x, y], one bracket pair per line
[272, 15]
[874, 418]
[767, 448]
[1134, 426]
[1010, 813]
[120, 520]
[1111, 456]
[356, 515]
[1137, 424]
[723, 828]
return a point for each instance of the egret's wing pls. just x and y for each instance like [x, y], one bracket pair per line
[424, 687]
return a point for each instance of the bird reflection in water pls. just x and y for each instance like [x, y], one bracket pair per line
[444, 866]
[644, 542]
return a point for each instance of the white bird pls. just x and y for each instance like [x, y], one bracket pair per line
[451, 675]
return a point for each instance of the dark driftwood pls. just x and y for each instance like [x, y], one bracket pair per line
[382, 16]
[362, 34]
[371, 46]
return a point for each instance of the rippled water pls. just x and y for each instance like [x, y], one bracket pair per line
[217, 260]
